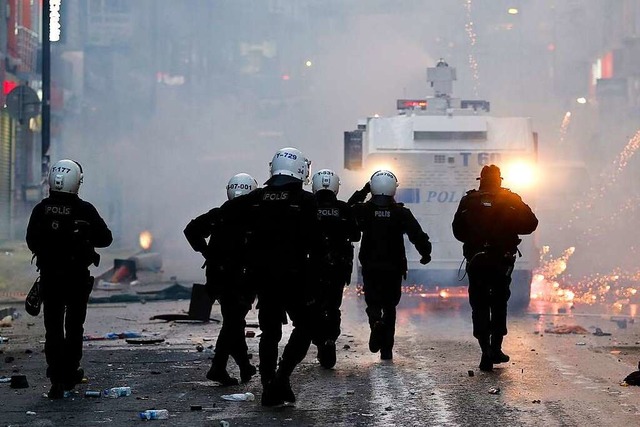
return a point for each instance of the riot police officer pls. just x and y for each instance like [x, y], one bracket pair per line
[383, 223]
[285, 242]
[228, 274]
[62, 233]
[339, 230]
[488, 222]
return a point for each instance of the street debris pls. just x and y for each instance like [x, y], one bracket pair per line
[620, 321]
[154, 414]
[599, 333]
[4, 379]
[30, 413]
[196, 407]
[92, 393]
[470, 373]
[535, 401]
[115, 392]
[9, 311]
[112, 336]
[9, 359]
[494, 390]
[224, 423]
[19, 381]
[567, 329]
[633, 378]
[581, 343]
[6, 322]
[144, 340]
[199, 348]
[239, 397]
[174, 317]
[249, 334]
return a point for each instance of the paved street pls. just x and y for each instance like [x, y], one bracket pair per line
[553, 379]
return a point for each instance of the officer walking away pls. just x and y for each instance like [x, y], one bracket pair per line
[286, 240]
[339, 230]
[488, 222]
[383, 223]
[62, 233]
[228, 275]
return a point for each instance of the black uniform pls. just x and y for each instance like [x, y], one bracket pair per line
[229, 280]
[63, 233]
[285, 243]
[339, 230]
[488, 222]
[384, 223]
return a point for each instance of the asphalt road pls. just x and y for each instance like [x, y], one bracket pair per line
[552, 380]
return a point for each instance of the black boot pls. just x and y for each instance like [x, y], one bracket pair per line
[377, 336]
[246, 372]
[486, 362]
[74, 378]
[56, 391]
[270, 394]
[218, 371]
[497, 356]
[221, 376]
[283, 387]
[386, 353]
[327, 354]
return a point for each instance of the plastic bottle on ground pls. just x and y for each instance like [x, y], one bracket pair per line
[117, 392]
[154, 414]
[239, 397]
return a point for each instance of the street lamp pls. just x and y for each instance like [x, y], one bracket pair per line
[513, 11]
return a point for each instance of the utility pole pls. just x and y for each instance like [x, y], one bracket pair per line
[46, 86]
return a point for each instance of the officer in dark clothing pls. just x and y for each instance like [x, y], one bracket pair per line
[339, 230]
[286, 241]
[63, 233]
[384, 223]
[228, 274]
[488, 222]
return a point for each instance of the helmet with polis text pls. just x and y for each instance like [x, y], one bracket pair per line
[65, 176]
[290, 162]
[383, 183]
[325, 179]
[240, 184]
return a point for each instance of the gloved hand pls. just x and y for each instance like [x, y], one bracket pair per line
[367, 187]
[426, 259]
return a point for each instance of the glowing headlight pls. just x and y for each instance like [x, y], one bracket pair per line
[519, 175]
[145, 240]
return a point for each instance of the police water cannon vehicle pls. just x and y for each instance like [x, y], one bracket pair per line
[437, 146]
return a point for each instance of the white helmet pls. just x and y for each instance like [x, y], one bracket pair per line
[240, 184]
[290, 162]
[383, 183]
[325, 179]
[65, 176]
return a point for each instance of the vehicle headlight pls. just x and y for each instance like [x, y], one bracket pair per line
[519, 175]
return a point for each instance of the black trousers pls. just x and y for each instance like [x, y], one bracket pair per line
[488, 296]
[282, 294]
[382, 292]
[235, 303]
[329, 299]
[64, 299]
